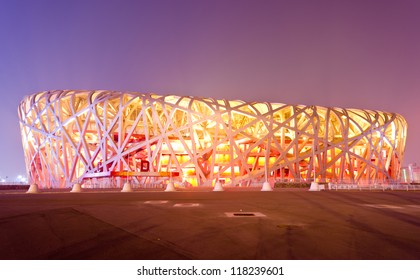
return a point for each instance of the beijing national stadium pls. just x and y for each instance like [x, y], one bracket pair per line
[107, 137]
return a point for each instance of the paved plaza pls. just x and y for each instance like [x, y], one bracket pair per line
[283, 224]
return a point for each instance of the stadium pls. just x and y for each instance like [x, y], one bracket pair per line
[105, 138]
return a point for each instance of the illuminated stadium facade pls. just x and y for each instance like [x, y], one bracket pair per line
[73, 136]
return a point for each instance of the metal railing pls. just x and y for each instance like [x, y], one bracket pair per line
[374, 187]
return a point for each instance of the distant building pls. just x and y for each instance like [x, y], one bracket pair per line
[411, 174]
[72, 136]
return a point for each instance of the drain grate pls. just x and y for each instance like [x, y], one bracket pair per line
[244, 214]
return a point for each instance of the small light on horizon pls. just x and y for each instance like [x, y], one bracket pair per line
[21, 179]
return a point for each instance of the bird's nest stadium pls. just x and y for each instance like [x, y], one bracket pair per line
[96, 136]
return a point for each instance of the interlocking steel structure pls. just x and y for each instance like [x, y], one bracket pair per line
[72, 135]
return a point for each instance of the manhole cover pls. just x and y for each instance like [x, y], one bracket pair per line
[244, 214]
[186, 204]
[156, 202]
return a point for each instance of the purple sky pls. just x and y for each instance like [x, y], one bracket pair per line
[352, 54]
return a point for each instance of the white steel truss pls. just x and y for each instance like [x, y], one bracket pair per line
[70, 135]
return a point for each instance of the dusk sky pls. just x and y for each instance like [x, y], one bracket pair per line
[352, 54]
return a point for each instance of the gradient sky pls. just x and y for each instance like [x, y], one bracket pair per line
[352, 54]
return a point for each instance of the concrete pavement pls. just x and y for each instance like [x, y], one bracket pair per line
[283, 224]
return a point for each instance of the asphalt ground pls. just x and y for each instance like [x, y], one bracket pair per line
[283, 224]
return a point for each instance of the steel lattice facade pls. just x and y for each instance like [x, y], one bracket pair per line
[69, 136]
